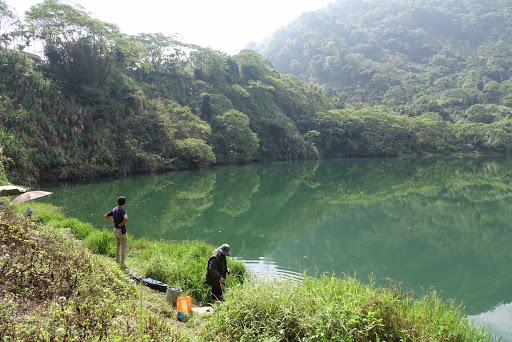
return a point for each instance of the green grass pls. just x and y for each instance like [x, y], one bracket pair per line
[333, 309]
[101, 242]
[179, 264]
[55, 288]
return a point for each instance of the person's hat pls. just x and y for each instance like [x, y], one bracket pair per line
[29, 210]
[224, 249]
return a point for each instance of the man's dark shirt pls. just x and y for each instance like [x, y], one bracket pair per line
[118, 215]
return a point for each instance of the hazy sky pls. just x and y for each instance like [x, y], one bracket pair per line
[225, 25]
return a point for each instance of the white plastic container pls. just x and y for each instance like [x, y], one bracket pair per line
[172, 294]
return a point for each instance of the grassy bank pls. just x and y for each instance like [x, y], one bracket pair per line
[56, 288]
[332, 309]
[180, 264]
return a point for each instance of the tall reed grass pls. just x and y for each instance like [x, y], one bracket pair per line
[333, 309]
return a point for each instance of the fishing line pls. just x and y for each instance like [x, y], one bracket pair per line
[70, 188]
[79, 208]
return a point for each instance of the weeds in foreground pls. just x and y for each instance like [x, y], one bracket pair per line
[54, 289]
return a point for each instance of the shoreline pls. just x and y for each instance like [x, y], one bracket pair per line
[343, 308]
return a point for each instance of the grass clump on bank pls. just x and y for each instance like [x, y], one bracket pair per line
[180, 264]
[333, 309]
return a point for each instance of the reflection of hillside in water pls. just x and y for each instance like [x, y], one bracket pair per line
[276, 200]
[267, 221]
[426, 227]
[264, 203]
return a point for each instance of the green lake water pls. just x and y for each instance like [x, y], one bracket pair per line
[442, 223]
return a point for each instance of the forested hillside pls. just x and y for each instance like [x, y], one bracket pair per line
[397, 78]
[101, 102]
[452, 57]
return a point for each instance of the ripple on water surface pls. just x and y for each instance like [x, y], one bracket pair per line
[266, 269]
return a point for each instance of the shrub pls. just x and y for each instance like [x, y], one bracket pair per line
[194, 153]
[101, 242]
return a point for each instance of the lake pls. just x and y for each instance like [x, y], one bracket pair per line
[430, 223]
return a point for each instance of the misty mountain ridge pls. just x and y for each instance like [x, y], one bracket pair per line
[410, 56]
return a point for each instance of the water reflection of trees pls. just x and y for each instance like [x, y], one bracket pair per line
[185, 200]
[235, 188]
[411, 219]
[270, 202]
[284, 198]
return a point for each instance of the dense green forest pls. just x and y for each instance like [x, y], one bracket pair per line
[101, 102]
[379, 78]
[452, 58]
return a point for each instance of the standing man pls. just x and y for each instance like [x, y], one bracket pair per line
[217, 270]
[119, 216]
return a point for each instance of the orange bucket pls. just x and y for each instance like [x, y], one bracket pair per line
[184, 304]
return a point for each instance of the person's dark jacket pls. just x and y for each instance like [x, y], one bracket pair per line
[217, 268]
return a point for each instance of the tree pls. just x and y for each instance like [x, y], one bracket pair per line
[488, 113]
[233, 139]
[56, 24]
[206, 107]
[158, 61]
[333, 66]
[253, 66]
[211, 66]
[458, 98]
[8, 22]
[187, 125]
[78, 47]
[426, 104]
[194, 153]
